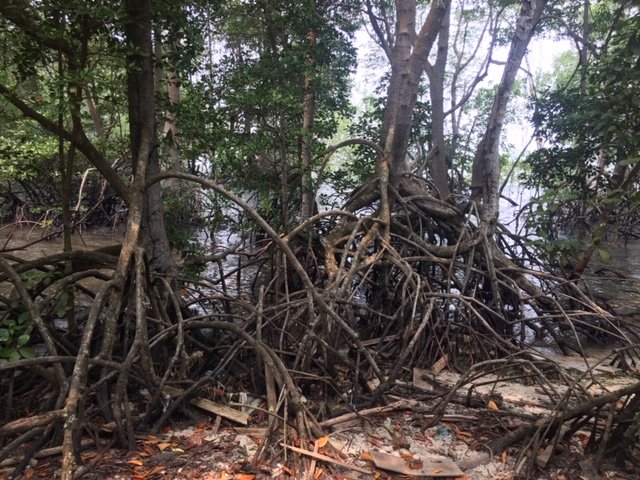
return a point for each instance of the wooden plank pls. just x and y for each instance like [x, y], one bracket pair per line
[212, 407]
[222, 410]
[430, 466]
[324, 458]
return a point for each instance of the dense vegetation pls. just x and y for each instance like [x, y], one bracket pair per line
[177, 122]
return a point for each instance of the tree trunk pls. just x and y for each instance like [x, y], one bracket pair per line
[142, 123]
[485, 181]
[436, 73]
[307, 124]
[408, 57]
[170, 128]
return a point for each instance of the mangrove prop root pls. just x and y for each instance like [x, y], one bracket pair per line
[337, 311]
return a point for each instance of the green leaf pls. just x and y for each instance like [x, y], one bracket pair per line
[6, 352]
[23, 339]
[27, 352]
[604, 255]
[24, 318]
[629, 161]
[4, 335]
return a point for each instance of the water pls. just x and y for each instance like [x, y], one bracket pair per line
[615, 280]
[28, 244]
[613, 276]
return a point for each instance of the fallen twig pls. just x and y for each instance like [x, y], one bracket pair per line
[324, 458]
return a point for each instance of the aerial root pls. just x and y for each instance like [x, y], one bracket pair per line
[321, 324]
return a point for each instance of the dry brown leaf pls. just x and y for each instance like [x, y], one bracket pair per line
[163, 446]
[492, 405]
[504, 457]
[406, 455]
[322, 441]
[318, 473]
[416, 464]
[147, 451]
[245, 476]
[155, 470]
[375, 441]
[136, 462]
[437, 470]
[462, 433]
[201, 426]
[288, 470]
[366, 456]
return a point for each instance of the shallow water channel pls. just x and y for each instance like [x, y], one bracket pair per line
[615, 281]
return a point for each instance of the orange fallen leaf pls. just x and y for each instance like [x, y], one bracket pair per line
[136, 462]
[163, 446]
[322, 441]
[155, 470]
[504, 457]
[201, 426]
[148, 451]
[492, 405]
[366, 456]
[437, 470]
[406, 455]
[318, 473]
[245, 476]
[462, 433]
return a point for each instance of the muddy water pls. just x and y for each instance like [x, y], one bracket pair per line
[613, 277]
[617, 280]
[28, 243]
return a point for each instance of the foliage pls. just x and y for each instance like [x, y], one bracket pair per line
[245, 115]
[14, 337]
[590, 126]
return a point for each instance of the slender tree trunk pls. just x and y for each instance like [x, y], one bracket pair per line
[142, 121]
[98, 126]
[485, 181]
[170, 125]
[408, 57]
[436, 73]
[307, 125]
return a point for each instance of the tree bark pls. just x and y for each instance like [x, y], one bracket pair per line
[307, 124]
[436, 73]
[170, 127]
[485, 181]
[408, 56]
[142, 124]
